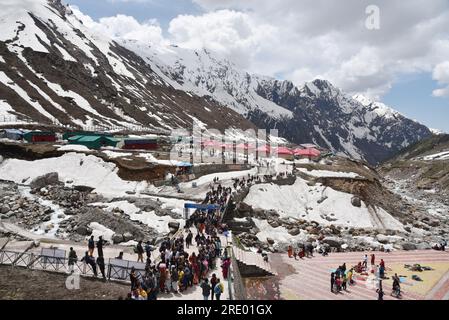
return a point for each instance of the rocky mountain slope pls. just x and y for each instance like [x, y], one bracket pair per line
[424, 166]
[53, 67]
[316, 112]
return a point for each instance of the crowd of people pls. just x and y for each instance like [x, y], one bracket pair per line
[178, 268]
[342, 277]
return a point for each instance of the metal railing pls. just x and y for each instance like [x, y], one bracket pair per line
[114, 271]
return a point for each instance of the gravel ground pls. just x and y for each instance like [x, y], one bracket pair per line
[42, 285]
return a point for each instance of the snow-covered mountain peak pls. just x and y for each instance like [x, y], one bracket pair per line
[381, 109]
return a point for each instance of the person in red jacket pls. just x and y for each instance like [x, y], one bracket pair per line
[373, 259]
[290, 251]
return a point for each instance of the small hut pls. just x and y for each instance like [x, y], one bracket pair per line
[40, 136]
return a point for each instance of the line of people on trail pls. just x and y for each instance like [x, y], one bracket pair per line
[177, 270]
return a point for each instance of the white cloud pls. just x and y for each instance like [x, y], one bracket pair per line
[312, 38]
[124, 27]
[441, 74]
[306, 39]
[229, 33]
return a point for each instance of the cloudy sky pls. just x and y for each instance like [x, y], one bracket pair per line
[404, 63]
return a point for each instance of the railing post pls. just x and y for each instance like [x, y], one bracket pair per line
[230, 253]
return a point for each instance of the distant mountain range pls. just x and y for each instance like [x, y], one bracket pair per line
[54, 68]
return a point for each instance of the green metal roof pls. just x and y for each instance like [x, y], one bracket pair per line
[89, 138]
[73, 138]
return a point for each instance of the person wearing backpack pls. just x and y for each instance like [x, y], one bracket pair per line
[205, 286]
[213, 283]
[219, 288]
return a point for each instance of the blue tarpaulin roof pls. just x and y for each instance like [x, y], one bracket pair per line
[201, 206]
[184, 164]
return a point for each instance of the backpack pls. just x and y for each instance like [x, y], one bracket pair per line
[218, 289]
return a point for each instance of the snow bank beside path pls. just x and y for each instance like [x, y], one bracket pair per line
[82, 169]
[73, 147]
[101, 230]
[301, 201]
[327, 173]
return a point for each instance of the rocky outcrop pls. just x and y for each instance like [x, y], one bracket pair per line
[45, 180]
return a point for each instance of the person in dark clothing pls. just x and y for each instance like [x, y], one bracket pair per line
[139, 249]
[100, 244]
[72, 259]
[148, 249]
[120, 256]
[205, 286]
[380, 291]
[218, 289]
[213, 282]
[189, 239]
[133, 279]
[91, 246]
[332, 281]
[100, 263]
[91, 261]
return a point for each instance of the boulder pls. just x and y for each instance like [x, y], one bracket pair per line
[48, 179]
[382, 238]
[333, 242]
[83, 231]
[294, 231]
[424, 246]
[356, 202]
[243, 207]
[5, 209]
[173, 225]
[409, 246]
[117, 238]
[127, 236]
[270, 241]
[274, 223]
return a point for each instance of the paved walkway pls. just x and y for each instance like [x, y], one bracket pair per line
[310, 278]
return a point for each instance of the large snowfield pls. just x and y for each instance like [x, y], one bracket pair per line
[300, 201]
[74, 169]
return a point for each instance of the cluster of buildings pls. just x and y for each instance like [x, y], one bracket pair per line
[92, 140]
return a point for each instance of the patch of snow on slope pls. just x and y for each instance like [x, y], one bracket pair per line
[5, 108]
[65, 54]
[437, 156]
[327, 173]
[24, 95]
[79, 100]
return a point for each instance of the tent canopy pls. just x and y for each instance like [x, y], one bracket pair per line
[310, 152]
[284, 151]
